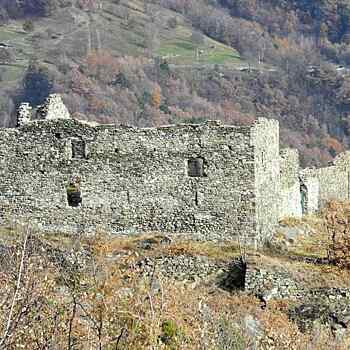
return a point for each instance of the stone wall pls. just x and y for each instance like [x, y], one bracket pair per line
[342, 160]
[214, 180]
[24, 114]
[181, 267]
[334, 184]
[319, 186]
[265, 140]
[290, 197]
[53, 108]
[184, 178]
[267, 284]
[310, 191]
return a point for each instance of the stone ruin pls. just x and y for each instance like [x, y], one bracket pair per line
[210, 180]
[24, 114]
[53, 108]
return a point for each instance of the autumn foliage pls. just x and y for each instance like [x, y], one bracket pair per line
[84, 293]
[289, 70]
[337, 221]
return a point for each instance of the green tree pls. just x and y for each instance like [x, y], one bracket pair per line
[39, 7]
[37, 84]
[28, 25]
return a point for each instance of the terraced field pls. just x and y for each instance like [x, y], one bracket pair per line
[179, 48]
[122, 29]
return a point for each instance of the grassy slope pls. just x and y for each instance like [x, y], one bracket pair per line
[177, 45]
[70, 33]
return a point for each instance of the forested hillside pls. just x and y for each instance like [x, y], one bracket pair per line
[145, 63]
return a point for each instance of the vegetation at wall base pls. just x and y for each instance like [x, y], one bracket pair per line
[103, 292]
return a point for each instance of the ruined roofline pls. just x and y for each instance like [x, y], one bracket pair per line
[54, 109]
[288, 151]
[206, 124]
[215, 124]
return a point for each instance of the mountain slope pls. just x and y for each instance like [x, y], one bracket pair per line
[125, 29]
[158, 62]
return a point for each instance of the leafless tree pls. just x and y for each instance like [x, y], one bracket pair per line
[11, 320]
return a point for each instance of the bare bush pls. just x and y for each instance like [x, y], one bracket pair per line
[337, 221]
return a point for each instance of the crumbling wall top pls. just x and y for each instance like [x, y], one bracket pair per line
[53, 108]
[343, 160]
[24, 114]
[267, 122]
[289, 167]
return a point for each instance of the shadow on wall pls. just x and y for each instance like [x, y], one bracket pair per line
[234, 278]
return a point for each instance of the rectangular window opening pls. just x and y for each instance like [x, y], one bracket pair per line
[78, 149]
[74, 195]
[195, 167]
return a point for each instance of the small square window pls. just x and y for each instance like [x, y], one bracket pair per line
[196, 167]
[74, 195]
[78, 149]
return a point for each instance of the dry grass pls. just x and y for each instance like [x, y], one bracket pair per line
[224, 251]
[74, 304]
[312, 241]
[315, 246]
[177, 246]
[290, 221]
[136, 316]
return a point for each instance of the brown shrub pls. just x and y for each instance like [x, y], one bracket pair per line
[337, 221]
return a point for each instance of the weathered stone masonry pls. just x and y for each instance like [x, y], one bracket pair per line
[328, 183]
[219, 181]
[290, 195]
[214, 180]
